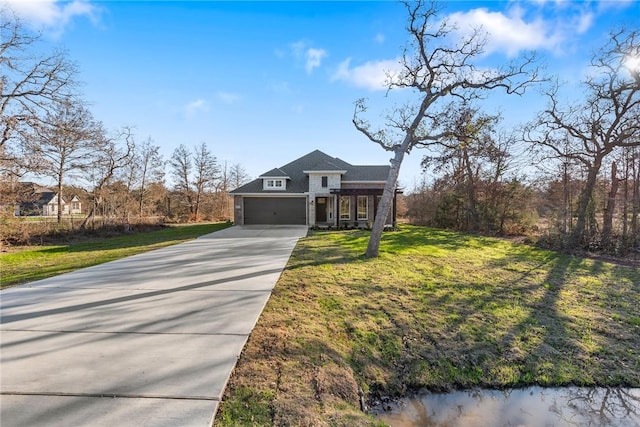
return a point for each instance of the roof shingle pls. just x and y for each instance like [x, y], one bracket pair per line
[314, 161]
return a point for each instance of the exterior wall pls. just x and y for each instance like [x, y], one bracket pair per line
[75, 207]
[51, 208]
[315, 182]
[238, 214]
[353, 220]
[372, 204]
[317, 190]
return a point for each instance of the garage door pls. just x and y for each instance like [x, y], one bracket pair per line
[275, 210]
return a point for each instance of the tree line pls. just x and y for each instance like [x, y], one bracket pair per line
[48, 131]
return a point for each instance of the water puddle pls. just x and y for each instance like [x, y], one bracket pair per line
[533, 406]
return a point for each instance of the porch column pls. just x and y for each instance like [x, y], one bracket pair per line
[395, 195]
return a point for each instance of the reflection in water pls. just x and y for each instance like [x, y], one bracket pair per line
[533, 406]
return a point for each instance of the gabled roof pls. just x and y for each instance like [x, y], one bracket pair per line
[298, 173]
[274, 173]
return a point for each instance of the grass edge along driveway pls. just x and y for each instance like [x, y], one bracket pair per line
[39, 262]
[437, 310]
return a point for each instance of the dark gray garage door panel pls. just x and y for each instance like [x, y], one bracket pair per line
[275, 210]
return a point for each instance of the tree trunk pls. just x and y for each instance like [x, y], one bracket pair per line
[59, 201]
[470, 189]
[583, 204]
[386, 201]
[141, 201]
[565, 200]
[635, 201]
[83, 226]
[607, 223]
[625, 203]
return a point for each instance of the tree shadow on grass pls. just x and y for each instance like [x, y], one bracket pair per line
[564, 338]
[558, 335]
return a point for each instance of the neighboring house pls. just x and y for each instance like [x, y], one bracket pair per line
[315, 190]
[37, 200]
[49, 202]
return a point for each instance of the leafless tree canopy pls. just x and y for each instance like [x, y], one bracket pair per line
[30, 82]
[588, 131]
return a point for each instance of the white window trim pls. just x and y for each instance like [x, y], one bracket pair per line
[366, 208]
[340, 208]
[330, 208]
[274, 184]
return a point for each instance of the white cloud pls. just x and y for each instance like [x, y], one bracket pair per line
[52, 15]
[228, 97]
[194, 107]
[506, 33]
[311, 56]
[614, 4]
[370, 75]
[314, 58]
[584, 22]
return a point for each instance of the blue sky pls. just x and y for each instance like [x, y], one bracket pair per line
[263, 83]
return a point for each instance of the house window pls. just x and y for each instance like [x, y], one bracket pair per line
[363, 207]
[325, 181]
[345, 207]
[274, 184]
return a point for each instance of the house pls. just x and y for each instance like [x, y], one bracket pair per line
[37, 200]
[49, 202]
[315, 190]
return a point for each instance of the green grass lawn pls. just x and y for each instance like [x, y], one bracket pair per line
[38, 262]
[437, 310]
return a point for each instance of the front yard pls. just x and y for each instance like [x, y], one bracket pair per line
[437, 309]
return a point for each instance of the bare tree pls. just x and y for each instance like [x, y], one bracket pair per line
[238, 175]
[61, 143]
[595, 127]
[195, 175]
[181, 169]
[440, 71]
[29, 84]
[108, 156]
[148, 166]
[207, 173]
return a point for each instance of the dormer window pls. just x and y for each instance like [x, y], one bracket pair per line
[275, 184]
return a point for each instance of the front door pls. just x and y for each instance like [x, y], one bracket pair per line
[321, 209]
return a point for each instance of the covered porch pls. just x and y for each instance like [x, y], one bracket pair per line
[352, 208]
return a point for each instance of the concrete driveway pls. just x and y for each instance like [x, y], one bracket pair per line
[148, 340]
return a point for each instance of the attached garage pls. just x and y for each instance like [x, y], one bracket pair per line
[275, 210]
